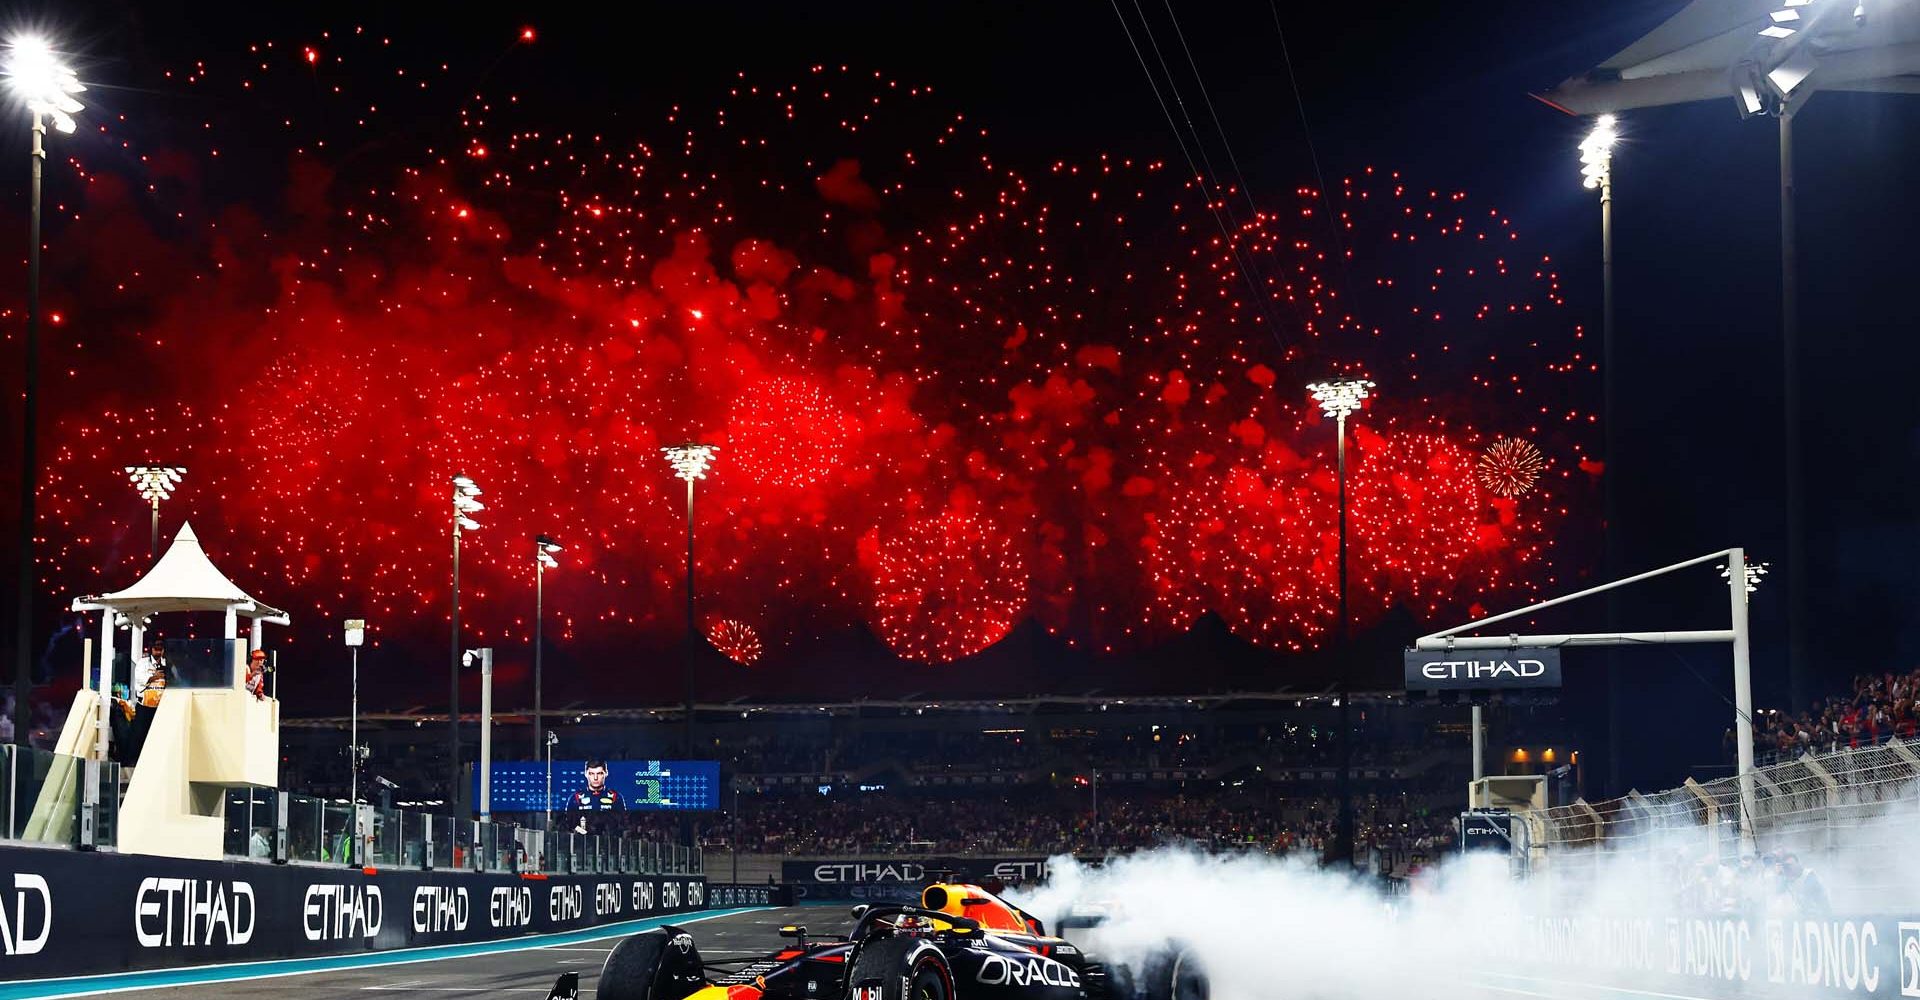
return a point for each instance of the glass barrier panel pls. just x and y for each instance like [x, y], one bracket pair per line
[385, 852]
[413, 841]
[499, 847]
[492, 856]
[45, 796]
[444, 840]
[306, 838]
[201, 663]
[249, 816]
[336, 832]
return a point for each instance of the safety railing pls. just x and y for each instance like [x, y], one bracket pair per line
[43, 801]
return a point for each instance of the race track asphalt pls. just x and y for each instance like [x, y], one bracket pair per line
[529, 972]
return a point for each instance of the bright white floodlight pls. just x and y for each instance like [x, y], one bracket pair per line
[1341, 396]
[1755, 571]
[1596, 153]
[464, 502]
[690, 461]
[37, 75]
[155, 482]
[543, 549]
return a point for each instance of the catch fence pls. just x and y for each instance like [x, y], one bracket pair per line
[1826, 809]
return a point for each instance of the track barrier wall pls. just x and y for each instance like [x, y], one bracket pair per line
[70, 913]
[1825, 956]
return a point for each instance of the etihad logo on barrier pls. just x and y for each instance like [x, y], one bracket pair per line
[339, 912]
[25, 926]
[1482, 670]
[438, 908]
[193, 912]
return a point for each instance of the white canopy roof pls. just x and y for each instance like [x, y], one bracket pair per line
[1711, 49]
[183, 580]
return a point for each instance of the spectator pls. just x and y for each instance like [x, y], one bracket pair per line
[1803, 888]
[257, 674]
[148, 702]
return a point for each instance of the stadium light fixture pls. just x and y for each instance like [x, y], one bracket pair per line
[1755, 571]
[1341, 396]
[1596, 153]
[37, 76]
[155, 483]
[690, 461]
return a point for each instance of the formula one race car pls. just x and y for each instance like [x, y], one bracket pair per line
[960, 943]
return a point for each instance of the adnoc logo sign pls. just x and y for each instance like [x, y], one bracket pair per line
[1483, 669]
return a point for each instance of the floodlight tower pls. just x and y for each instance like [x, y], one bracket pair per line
[690, 462]
[1596, 173]
[466, 500]
[37, 77]
[1337, 398]
[543, 560]
[154, 484]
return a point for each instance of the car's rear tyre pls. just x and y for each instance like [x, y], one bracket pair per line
[660, 964]
[900, 968]
[1174, 974]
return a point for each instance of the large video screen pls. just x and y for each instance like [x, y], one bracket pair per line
[625, 785]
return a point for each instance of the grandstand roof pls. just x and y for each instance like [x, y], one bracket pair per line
[1710, 49]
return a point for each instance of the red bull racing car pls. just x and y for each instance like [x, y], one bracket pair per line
[961, 943]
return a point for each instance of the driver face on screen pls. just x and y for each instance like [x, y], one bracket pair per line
[596, 779]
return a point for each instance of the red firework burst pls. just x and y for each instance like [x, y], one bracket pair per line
[786, 434]
[1510, 467]
[946, 586]
[736, 640]
[1417, 514]
[1248, 546]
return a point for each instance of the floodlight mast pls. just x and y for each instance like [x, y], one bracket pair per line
[1737, 634]
[690, 462]
[466, 500]
[543, 560]
[1596, 173]
[1339, 397]
[37, 76]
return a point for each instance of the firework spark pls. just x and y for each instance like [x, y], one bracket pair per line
[736, 640]
[1510, 467]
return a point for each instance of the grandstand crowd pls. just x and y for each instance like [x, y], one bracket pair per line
[1214, 819]
[1881, 706]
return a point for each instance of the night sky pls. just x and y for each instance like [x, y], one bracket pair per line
[945, 543]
